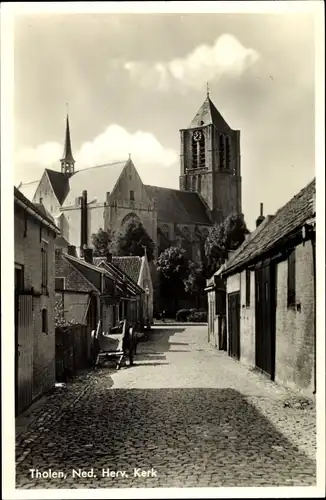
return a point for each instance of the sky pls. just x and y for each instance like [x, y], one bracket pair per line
[132, 81]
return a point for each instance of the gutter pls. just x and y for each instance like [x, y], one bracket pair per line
[37, 216]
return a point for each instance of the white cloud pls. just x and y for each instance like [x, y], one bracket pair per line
[115, 143]
[226, 57]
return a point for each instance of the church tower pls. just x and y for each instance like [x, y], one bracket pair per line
[210, 161]
[67, 160]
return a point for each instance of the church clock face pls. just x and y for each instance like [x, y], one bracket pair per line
[197, 135]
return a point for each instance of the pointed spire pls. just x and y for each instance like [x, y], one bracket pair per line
[208, 115]
[67, 160]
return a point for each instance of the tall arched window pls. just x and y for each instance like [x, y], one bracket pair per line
[201, 146]
[128, 217]
[228, 152]
[222, 151]
[194, 148]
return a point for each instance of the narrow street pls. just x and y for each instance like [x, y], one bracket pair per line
[186, 413]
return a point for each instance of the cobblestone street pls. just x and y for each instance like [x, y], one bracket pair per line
[185, 412]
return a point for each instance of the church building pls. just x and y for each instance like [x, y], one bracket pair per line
[106, 196]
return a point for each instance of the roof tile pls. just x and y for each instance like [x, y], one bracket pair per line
[130, 265]
[286, 221]
[181, 207]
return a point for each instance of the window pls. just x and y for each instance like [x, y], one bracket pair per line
[199, 183]
[44, 266]
[291, 279]
[202, 152]
[132, 196]
[247, 288]
[19, 277]
[222, 151]
[45, 321]
[228, 152]
[194, 153]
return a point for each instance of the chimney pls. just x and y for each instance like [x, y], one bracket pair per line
[260, 219]
[88, 255]
[72, 250]
[108, 256]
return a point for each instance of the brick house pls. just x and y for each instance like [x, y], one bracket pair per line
[270, 295]
[35, 236]
[89, 292]
[137, 269]
[78, 296]
[131, 304]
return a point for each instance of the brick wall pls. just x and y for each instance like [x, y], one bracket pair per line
[28, 254]
[295, 328]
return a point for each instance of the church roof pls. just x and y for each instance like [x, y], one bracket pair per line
[181, 207]
[59, 183]
[284, 224]
[96, 180]
[28, 189]
[208, 115]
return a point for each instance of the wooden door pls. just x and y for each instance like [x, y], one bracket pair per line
[265, 287]
[234, 324]
[23, 352]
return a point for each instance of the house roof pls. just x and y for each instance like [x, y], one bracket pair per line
[74, 279]
[60, 184]
[274, 231]
[96, 180]
[36, 209]
[28, 189]
[91, 272]
[208, 115]
[130, 265]
[181, 207]
[117, 273]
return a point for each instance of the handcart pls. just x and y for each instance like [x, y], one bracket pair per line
[117, 344]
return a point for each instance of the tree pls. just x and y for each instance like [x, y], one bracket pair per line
[101, 242]
[223, 238]
[132, 239]
[195, 282]
[173, 268]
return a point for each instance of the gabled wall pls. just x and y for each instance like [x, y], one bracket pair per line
[45, 191]
[119, 205]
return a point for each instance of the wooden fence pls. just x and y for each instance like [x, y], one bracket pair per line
[72, 345]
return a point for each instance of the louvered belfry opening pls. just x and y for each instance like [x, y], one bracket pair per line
[194, 153]
[201, 147]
